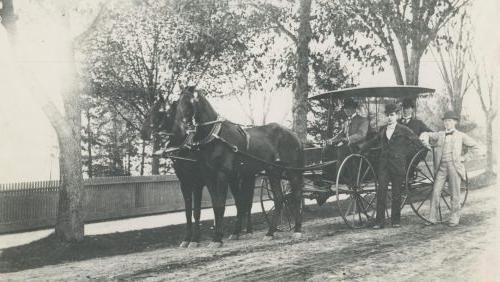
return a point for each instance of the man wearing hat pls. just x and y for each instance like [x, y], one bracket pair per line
[396, 142]
[448, 163]
[355, 128]
[408, 119]
[354, 131]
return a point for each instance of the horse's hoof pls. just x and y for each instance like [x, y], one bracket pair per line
[297, 235]
[215, 245]
[193, 245]
[184, 244]
[234, 237]
[268, 237]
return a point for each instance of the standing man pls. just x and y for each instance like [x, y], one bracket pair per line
[448, 163]
[396, 142]
[410, 120]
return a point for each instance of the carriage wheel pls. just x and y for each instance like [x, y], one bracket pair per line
[419, 183]
[356, 191]
[286, 219]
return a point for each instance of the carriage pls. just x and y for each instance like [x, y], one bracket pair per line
[354, 183]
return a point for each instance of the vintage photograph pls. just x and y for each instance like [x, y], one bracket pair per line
[249, 140]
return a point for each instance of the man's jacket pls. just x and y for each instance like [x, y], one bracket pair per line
[357, 128]
[394, 151]
[416, 125]
[459, 139]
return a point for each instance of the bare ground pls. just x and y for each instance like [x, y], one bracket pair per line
[327, 251]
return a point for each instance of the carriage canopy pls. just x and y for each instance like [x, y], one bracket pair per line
[400, 91]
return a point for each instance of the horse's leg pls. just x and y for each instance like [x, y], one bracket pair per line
[296, 183]
[249, 191]
[195, 239]
[275, 183]
[238, 196]
[187, 195]
[218, 195]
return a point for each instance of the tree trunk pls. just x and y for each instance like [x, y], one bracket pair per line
[414, 69]
[89, 145]
[116, 158]
[70, 215]
[395, 67]
[300, 105]
[155, 165]
[489, 145]
[143, 156]
[8, 18]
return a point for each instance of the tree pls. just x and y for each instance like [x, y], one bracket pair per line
[484, 83]
[300, 105]
[67, 121]
[453, 54]
[402, 29]
[8, 17]
[146, 51]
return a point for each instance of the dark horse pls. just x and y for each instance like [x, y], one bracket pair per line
[187, 168]
[227, 153]
[187, 171]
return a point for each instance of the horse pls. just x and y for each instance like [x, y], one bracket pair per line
[228, 152]
[187, 170]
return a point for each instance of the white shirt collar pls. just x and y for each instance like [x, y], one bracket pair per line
[391, 126]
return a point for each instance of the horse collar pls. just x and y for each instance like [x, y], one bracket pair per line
[214, 132]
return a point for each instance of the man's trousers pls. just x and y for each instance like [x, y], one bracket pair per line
[385, 175]
[446, 170]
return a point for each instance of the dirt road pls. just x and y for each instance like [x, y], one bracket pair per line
[328, 251]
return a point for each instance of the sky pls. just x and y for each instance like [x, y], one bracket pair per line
[28, 147]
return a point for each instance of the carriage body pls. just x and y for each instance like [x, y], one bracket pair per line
[354, 179]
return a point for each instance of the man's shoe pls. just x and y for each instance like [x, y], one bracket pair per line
[377, 226]
[396, 225]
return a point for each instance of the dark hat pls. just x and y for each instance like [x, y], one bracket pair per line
[350, 103]
[451, 115]
[391, 108]
[408, 103]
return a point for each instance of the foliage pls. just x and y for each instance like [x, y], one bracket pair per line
[144, 52]
[398, 30]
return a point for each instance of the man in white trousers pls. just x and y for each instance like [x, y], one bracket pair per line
[448, 164]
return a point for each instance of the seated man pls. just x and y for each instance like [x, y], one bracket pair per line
[409, 119]
[341, 145]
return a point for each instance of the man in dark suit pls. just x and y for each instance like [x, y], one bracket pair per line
[354, 131]
[408, 119]
[338, 147]
[396, 142]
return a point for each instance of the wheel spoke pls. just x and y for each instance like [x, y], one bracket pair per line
[426, 176]
[446, 202]
[348, 207]
[359, 171]
[364, 174]
[429, 169]
[425, 199]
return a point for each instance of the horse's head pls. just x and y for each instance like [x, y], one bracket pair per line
[159, 122]
[186, 112]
